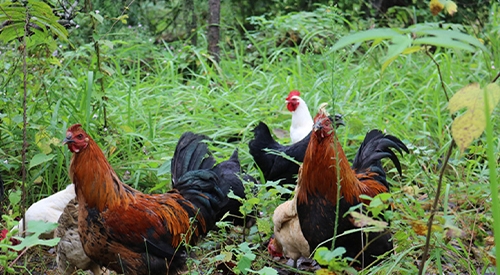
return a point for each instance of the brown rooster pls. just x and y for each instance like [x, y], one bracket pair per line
[325, 167]
[135, 233]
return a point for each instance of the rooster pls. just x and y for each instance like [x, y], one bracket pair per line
[134, 233]
[325, 166]
[275, 167]
[302, 121]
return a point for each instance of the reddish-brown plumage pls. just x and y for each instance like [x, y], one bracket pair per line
[126, 230]
[325, 160]
[326, 172]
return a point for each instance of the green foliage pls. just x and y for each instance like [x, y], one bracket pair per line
[410, 40]
[41, 20]
[156, 91]
[333, 259]
[33, 232]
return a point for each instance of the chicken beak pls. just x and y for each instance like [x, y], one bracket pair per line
[318, 125]
[68, 139]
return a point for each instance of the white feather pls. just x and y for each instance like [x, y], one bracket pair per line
[302, 121]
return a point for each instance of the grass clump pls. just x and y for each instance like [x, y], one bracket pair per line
[153, 92]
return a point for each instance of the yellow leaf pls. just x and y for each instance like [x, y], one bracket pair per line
[122, 18]
[436, 7]
[360, 220]
[420, 227]
[412, 49]
[42, 140]
[388, 62]
[472, 123]
[450, 7]
[324, 271]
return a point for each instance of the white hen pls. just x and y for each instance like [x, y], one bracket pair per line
[70, 254]
[302, 121]
[48, 209]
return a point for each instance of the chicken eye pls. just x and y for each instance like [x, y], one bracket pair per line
[79, 136]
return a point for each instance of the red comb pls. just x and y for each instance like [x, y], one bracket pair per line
[292, 94]
[74, 127]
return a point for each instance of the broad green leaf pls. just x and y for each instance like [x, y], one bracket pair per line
[455, 35]
[324, 256]
[398, 45]
[266, 271]
[443, 42]
[39, 159]
[11, 32]
[97, 16]
[472, 123]
[37, 228]
[15, 197]
[365, 36]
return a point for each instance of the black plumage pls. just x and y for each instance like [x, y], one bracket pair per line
[268, 154]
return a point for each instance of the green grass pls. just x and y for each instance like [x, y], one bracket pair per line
[150, 103]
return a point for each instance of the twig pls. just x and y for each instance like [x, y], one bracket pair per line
[434, 209]
[25, 118]
[11, 264]
[496, 78]
[439, 73]
[440, 180]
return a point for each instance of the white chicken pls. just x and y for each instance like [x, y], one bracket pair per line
[70, 254]
[287, 232]
[302, 121]
[48, 209]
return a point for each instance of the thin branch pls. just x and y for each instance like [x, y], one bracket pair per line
[439, 73]
[116, 21]
[440, 180]
[496, 78]
[434, 209]
[25, 118]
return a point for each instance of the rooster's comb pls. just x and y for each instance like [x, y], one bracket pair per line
[292, 94]
[322, 109]
[74, 127]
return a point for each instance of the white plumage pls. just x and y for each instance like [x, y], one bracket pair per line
[48, 209]
[302, 121]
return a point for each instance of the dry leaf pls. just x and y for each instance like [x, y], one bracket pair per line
[450, 7]
[360, 220]
[436, 7]
[420, 227]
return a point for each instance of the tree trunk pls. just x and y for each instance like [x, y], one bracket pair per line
[213, 29]
[191, 23]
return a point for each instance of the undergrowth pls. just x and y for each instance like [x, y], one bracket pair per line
[156, 91]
